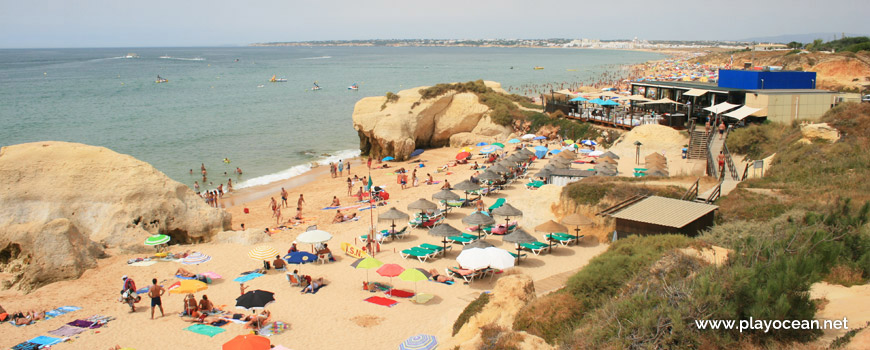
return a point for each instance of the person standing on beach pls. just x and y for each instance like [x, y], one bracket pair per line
[348, 167]
[155, 292]
[300, 201]
[349, 187]
[369, 163]
[283, 197]
[274, 205]
[278, 216]
[340, 167]
[707, 127]
[414, 180]
[229, 185]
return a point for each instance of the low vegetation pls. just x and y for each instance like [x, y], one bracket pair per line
[391, 98]
[602, 192]
[504, 109]
[472, 309]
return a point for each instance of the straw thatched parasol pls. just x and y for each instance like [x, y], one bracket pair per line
[519, 236]
[444, 231]
[569, 155]
[478, 244]
[446, 195]
[489, 176]
[422, 205]
[479, 219]
[467, 186]
[654, 156]
[393, 214]
[498, 168]
[577, 220]
[557, 165]
[610, 154]
[551, 227]
[543, 173]
[606, 160]
[507, 211]
[560, 160]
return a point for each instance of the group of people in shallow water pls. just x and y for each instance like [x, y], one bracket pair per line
[212, 197]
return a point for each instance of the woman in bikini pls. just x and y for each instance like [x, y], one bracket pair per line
[439, 277]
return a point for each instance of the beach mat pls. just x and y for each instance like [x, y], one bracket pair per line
[274, 328]
[44, 340]
[248, 277]
[81, 324]
[398, 293]
[143, 263]
[203, 329]
[382, 301]
[60, 311]
[66, 331]
[26, 346]
[184, 278]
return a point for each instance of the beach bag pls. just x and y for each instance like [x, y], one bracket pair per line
[247, 211]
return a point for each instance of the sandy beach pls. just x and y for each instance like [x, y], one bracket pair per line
[337, 316]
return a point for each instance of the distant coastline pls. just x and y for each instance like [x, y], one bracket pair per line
[634, 45]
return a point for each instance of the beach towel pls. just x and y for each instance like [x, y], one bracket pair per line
[211, 275]
[449, 283]
[248, 277]
[329, 208]
[81, 324]
[274, 328]
[60, 311]
[99, 320]
[143, 263]
[374, 206]
[398, 293]
[44, 340]
[382, 301]
[26, 346]
[66, 331]
[183, 278]
[204, 329]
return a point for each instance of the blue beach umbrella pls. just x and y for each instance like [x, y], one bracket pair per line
[555, 151]
[481, 144]
[597, 101]
[589, 142]
[417, 152]
[489, 149]
[514, 141]
[609, 103]
[300, 258]
[541, 151]
[540, 137]
[386, 159]
[578, 99]
[419, 342]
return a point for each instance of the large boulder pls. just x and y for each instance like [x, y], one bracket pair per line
[396, 128]
[58, 199]
[820, 131]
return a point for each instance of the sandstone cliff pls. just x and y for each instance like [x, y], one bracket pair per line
[62, 203]
[396, 128]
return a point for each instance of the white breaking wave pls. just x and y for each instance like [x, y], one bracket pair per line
[316, 58]
[182, 58]
[298, 169]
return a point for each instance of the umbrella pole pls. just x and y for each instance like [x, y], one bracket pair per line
[444, 251]
[519, 251]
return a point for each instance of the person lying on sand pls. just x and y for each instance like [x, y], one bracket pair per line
[184, 272]
[206, 319]
[439, 277]
[314, 286]
[258, 320]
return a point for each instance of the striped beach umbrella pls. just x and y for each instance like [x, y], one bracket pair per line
[263, 253]
[489, 149]
[157, 240]
[195, 258]
[419, 342]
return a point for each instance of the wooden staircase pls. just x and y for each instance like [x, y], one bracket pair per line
[697, 145]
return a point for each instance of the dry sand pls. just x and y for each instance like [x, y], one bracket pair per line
[335, 317]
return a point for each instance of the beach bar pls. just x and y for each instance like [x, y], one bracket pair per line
[658, 215]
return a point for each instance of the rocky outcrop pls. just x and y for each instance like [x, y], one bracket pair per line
[61, 203]
[396, 128]
[493, 324]
[819, 131]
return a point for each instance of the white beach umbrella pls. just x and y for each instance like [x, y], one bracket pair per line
[313, 237]
[528, 136]
[474, 259]
[499, 258]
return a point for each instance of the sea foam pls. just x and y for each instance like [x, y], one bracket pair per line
[298, 169]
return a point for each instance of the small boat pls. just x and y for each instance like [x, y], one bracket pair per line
[315, 87]
[131, 55]
[277, 80]
[539, 68]
[165, 57]
[161, 80]
[353, 87]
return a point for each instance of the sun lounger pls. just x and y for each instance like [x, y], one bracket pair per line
[522, 255]
[464, 274]
[534, 185]
[436, 248]
[461, 240]
[534, 247]
[419, 254]
[498, 203]
[559, 238]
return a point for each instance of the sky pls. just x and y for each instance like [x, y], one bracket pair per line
[164, 23]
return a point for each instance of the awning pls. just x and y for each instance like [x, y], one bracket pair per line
[662, 101]
[695, 92]
[720, 108]
[565, 92]
[742, 112]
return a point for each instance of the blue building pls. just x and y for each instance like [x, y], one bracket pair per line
[765, 80]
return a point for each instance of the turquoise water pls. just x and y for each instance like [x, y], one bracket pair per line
[213, 108]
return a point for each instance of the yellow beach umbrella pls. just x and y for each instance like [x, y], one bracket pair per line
[467, 149]
[263, 253]
[189, 286]
[568, 142]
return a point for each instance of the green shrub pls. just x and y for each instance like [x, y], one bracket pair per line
[549, 317]
[758, 140]
[472, 309]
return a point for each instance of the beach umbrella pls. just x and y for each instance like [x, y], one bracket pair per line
[654, 156]
[422, 205]
[489, 149]
[467, 149]
[514, 141]
[189, 286]
[313, 237]
[419, 342]
[446, 195]
[610, 154]
[414, 275]
[157, 240]
[390, 270]
[467, 186]
[489, 176]
[498, 168]
[463, 155]
[195, 258]
[479, 219]
[551, 227]
[300, 258]
[417, 152]
[589, 143]
[606, 159]
[477, 244]
[247, 342]
[567, 155]
[387, 159]
[578, 99]
[444, 231]
[393, 214]
[507, 211]
[367, 263]
[560, 159]
[540, 138]
[557, 165]
[528, 136]
[610, 103]
[577, 220]
[595, 153]
[255, 300]
[516, 158]
[585, 150]
[519, 236]
[262, 253]
[473, 259]
[541, 151]
[499, 258]
[596, 101]
[568, 142]
[499, 144]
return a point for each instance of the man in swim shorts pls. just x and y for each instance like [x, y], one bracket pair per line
[155, 292]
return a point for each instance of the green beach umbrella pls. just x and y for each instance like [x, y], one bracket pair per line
[414, 275]
[157, 240]
[367, 263]
[498, 144]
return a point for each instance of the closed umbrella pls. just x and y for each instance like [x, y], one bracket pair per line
[479, 219]
[393, 214]
[390, 270]
[519, 236]
[263, 253]
[507, 211]
[444, 231]
[255, 300]
[551, 227]
[247, 342]
[419, 342]
[195, 259]
[577, 220]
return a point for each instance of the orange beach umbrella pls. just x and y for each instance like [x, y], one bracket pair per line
[247, 342]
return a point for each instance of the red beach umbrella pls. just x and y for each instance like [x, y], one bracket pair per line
[462, 155]
[247, 342]
[390, 270]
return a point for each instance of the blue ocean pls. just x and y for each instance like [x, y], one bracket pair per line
[218, 103]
